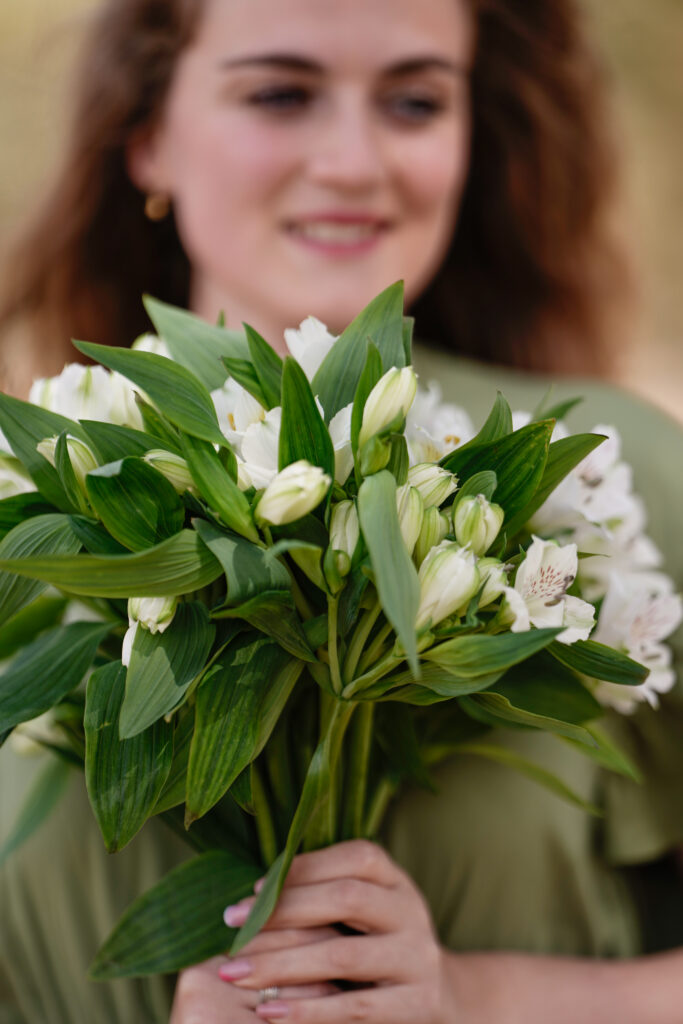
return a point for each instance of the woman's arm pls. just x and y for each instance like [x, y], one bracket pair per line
[409, 978]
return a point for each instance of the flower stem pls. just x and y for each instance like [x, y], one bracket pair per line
[378, 807]
[357, 777]
[358, 640]
[382, 668]
[375, 649]
[332, 649]
[265, 826]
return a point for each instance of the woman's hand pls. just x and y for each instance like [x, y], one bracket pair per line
[396, 957]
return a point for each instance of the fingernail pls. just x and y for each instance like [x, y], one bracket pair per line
[236, 915]
[234, 970]
[259, 885]
[273, 1011]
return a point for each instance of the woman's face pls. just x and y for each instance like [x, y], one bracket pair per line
[315, 152]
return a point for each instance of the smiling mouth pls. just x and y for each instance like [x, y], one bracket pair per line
[337, 233]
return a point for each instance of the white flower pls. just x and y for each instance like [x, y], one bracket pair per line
[152, 613]
[542, 581]
[410, 508]
[79, 392]
[13, 477]
[389, 400]
[448, 579]
[259, 448]
[477, 522]
[434, 483]
[340, 433]
[344, 527]
[435, 526]
[433, 427]
[294, 492]
[236, 409]
[152, 343]
[309, 344]
[4, 444]
[173, 467]
[493, 574]
[80, 455]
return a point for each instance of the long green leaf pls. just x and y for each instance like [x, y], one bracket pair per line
[273, 613]
[267, 366]
[176, 566]
[382, 322]
[480, 654]
[173, 792]
[124, 777]
[371, 374]
[182, 397]
[600, 662]
[303, 434]
[395, 575]
[47, 669]
[19, 507]
[498, 424]
[112, 442]
[494, 709]
[543, 687]
[247, 568]
[40, 535]
[136, 503]
[179, 922]
[162, 666]
[217, 487]
[195, 344]
[25, 626]
[237, 706]
[39, 803]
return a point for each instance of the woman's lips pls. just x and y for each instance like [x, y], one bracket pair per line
[338, 234]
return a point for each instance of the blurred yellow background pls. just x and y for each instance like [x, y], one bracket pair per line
[641, 44]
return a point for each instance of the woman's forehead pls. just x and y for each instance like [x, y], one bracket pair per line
[367, 31]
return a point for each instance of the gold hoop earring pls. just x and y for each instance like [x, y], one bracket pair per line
[157, 206]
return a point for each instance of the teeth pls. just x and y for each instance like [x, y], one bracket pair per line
[326, 231]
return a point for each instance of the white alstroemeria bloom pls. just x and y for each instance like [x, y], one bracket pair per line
[514, 611]
[295, 491]
[152, 613]
[434, 483]
[173, 467]
[258, 447]
[662, 678]
[433, 427]
[448, 580]
[493, 574]
[344, 533]
[309, 344]
[152, 343]
[435, 527]
[340, 433]
[390, 399]
[79, 392]
[477, 522]
[542, 581]
[410, 508]
[13, 477]
[82, 458]
[4, 444]
[236, 410]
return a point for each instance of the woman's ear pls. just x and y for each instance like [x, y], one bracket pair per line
[144, 161]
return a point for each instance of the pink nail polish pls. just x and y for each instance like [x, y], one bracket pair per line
[234, 970]
[236, 915]
[259, 885]
[273, 1011]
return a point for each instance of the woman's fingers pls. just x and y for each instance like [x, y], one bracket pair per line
[285, 938]
[357, 858]
[401, 1004]
[355, 958]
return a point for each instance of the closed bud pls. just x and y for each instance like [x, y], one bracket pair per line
[477, 522]
[410, 510]
[154, 613]
[389, 400]
[449, 578]
[435, 526]
[294, 492]
[493, 575]
[344, 530]
[434, 483]
[81, 457]
[173, 467]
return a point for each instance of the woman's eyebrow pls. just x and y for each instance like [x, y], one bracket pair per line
[295, 62]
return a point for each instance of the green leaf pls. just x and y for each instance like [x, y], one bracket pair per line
[480, 483]
[267, 366]
[179, 922]
[195, 344]
[371, 375]
[477, 655]
[25, 626]
[607, 754]
[438, 680]
[408, 331]
[274, 614]
[40, 535]
[20, 507]
[511, 759]
[381, 321]
[24, 426]
[112, 442]
[395, 574]
[244, 372]
[303, 434]
[39, 803]
[314, 796]
[124, 778]
[47, 669]
[136, 503]
[173, 792]
[518, 460]
[94, 537]
[179, 394]
[600, 662]
[497, 426]
[495, 709]
[217, 487]
[157, 426]
[247, 568]
[238, 703]
[545, 688]
[67, 475]
[396, 734]
[162, 666]
[176, 566]
[563, 456]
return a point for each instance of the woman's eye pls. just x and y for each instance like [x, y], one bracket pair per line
[286, 99]
[413, 108]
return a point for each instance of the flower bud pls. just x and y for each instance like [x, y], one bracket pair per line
[435, 526]
[410, 514]
[294, 492]
[154, 613]
[390, 399]
[477, 522]
[344, 529]
[173, 467]
[449, 578]
[493, 575]
[81, 457]
[434, 483]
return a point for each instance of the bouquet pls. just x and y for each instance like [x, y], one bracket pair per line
[255, 597]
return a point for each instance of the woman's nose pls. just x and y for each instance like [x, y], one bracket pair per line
[349, 152]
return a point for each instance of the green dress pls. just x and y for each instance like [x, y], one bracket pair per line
[503, 863]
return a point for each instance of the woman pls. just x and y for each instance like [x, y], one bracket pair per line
[311, 154]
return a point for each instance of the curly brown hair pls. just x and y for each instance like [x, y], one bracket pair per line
[530, 272]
